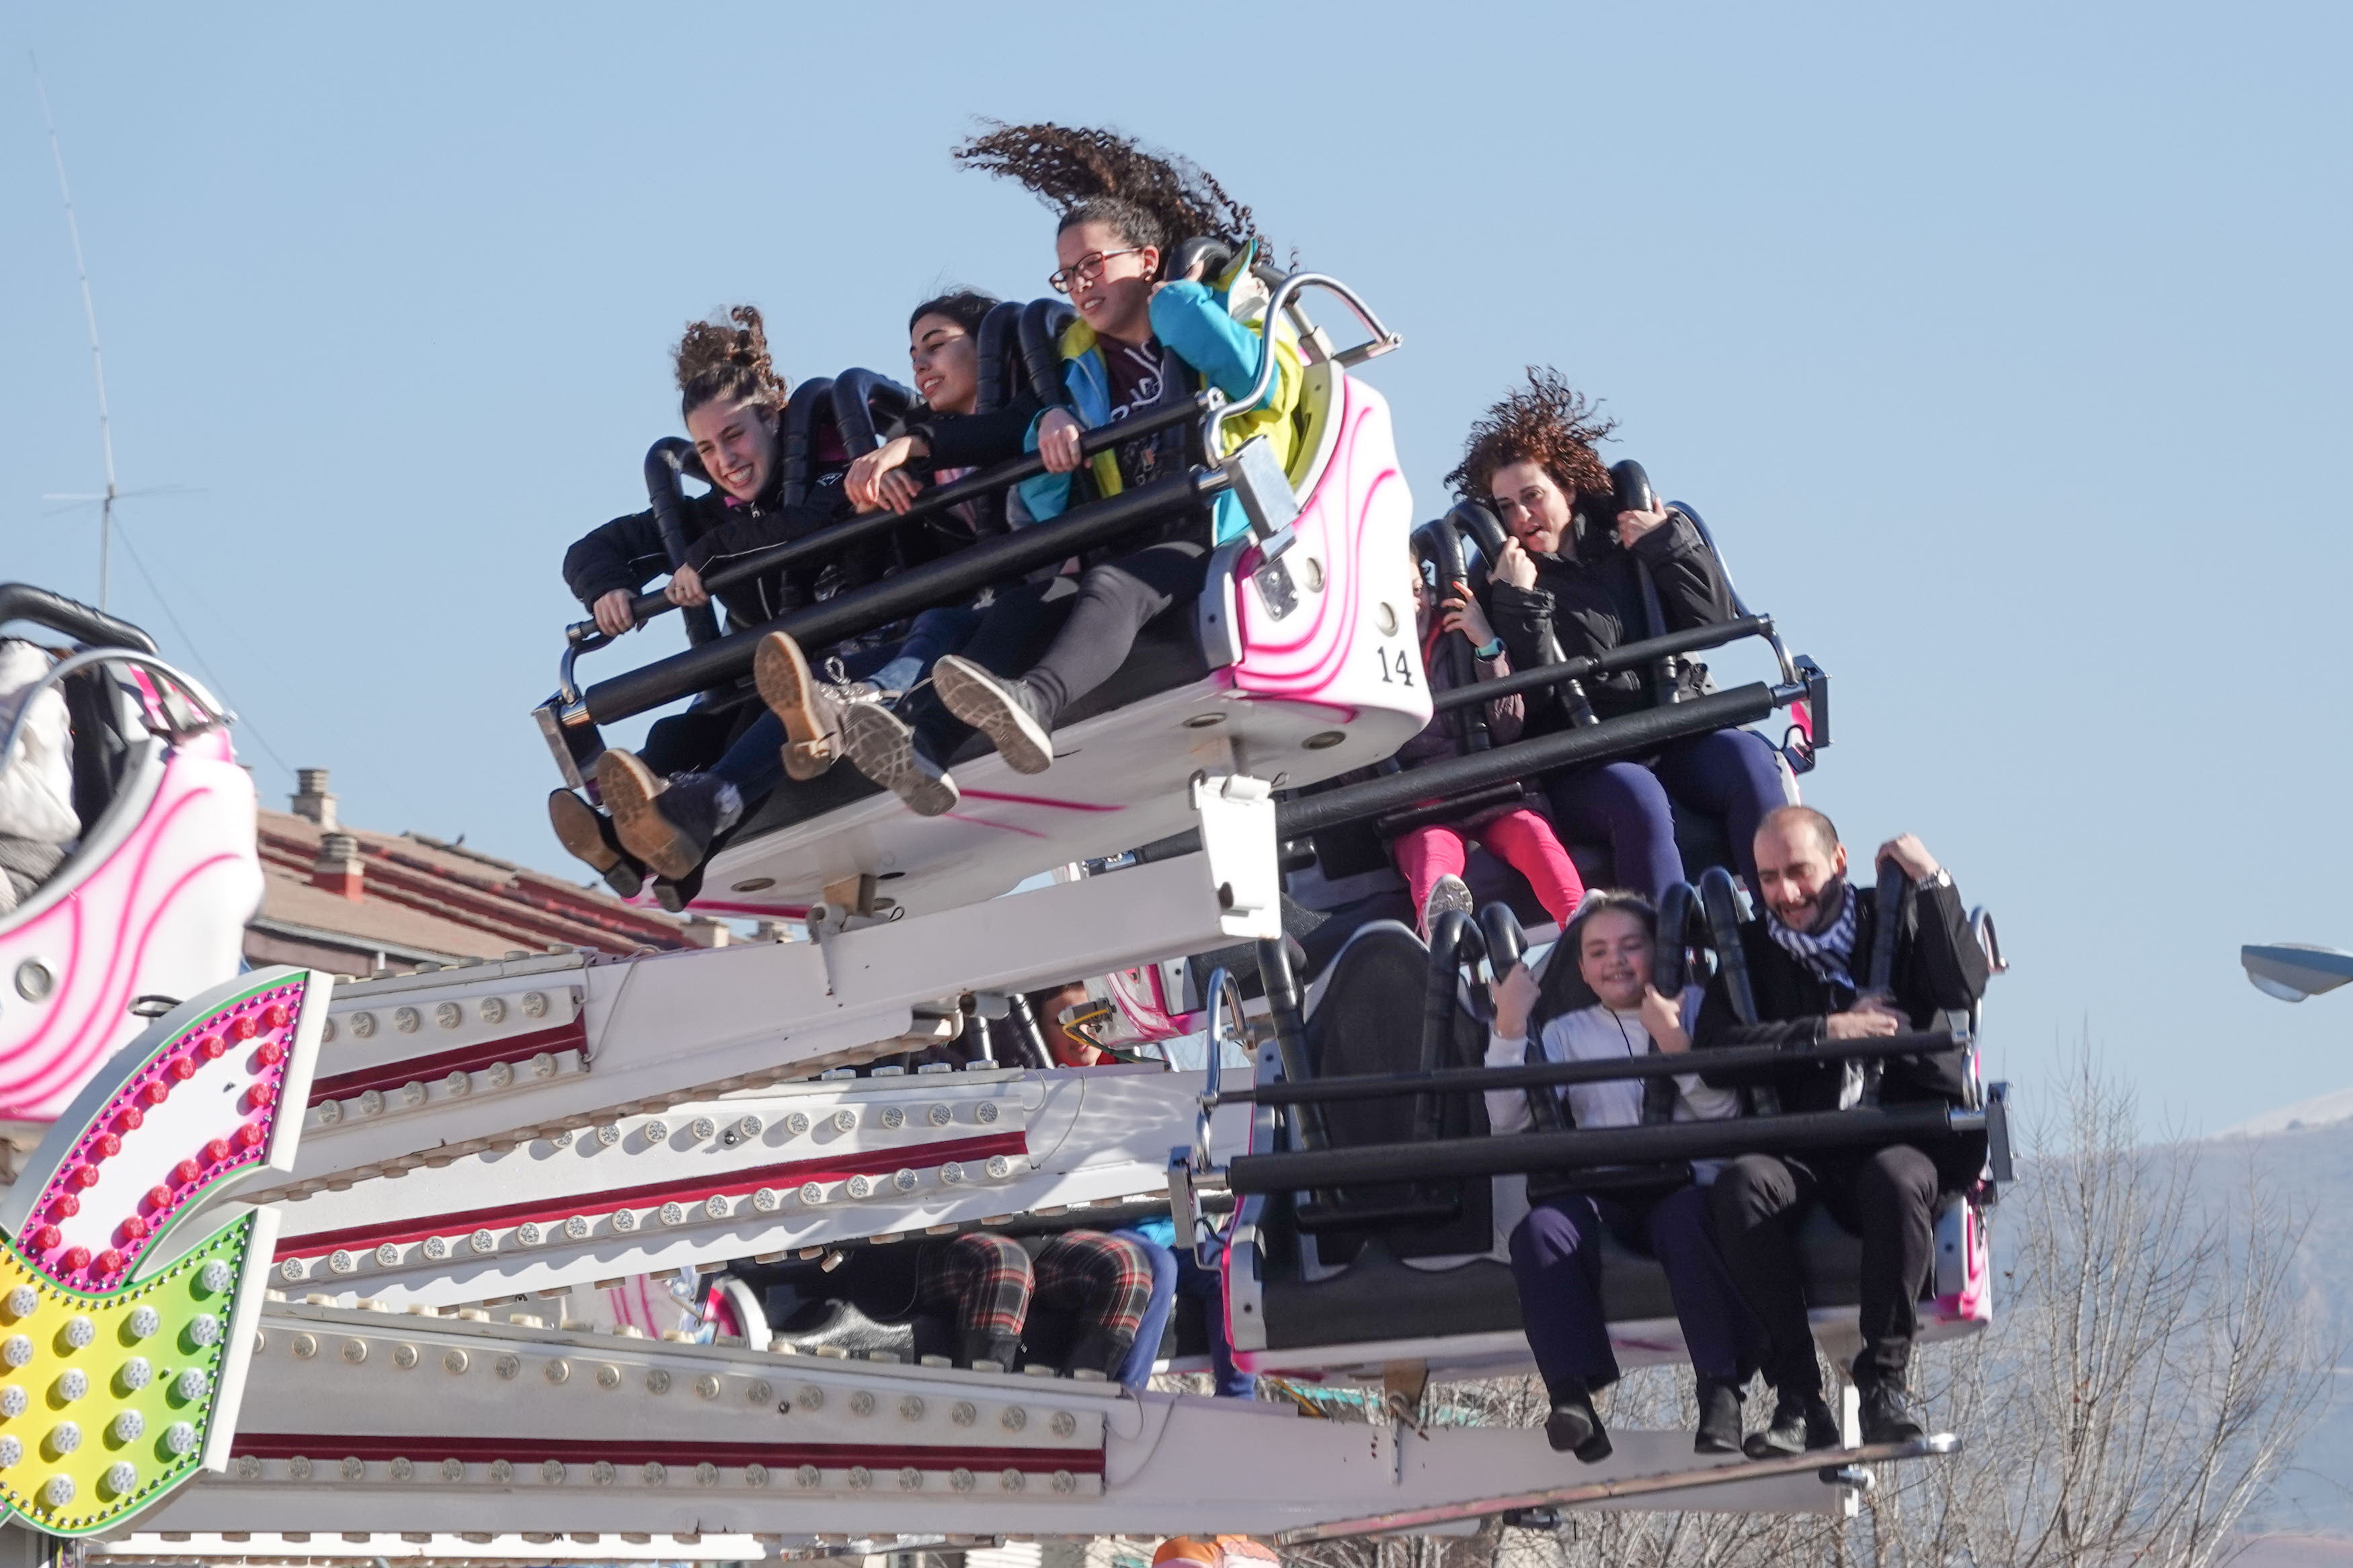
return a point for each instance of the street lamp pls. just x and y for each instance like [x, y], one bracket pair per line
[2292, 971]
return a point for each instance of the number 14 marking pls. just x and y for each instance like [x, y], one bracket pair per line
[1394, 658]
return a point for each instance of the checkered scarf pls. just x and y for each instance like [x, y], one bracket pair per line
[1829, 954]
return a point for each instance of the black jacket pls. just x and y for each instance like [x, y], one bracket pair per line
[1591, 602]
[627, 553]
[1939, 967]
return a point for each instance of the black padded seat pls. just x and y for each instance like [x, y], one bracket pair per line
[1369, 1020]
[1379, 1298]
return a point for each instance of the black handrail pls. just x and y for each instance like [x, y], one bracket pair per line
[879, 604]
[830, 543]
[1611, 1069]
[1587, 1148]
[69, 617]
[1631, 734]
[1625, 655]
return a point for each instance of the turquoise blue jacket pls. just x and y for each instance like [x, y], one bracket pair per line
[1194, 323]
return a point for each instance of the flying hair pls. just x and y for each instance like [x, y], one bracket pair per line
[727, 359]
[1089, 175]
[1548, 423]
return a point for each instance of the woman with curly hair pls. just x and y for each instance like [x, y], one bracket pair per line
[1143, 338]
[697, 769]
[1567, 582]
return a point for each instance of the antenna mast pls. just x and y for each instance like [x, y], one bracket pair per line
[96, 359]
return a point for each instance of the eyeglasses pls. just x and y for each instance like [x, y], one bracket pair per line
[1088, 267]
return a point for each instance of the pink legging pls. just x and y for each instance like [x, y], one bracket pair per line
[1519, 837]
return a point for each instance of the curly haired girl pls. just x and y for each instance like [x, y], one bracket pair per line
[1568, 582]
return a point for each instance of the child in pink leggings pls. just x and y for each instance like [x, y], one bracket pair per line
[1431, 858]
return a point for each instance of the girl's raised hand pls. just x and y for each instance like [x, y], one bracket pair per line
[861, 483]
[1058, 440]
[898, 489]
[1633, 525]
[686, 588]
[1663, 1018]
[1464, 616]
[615, 614]
[1515, 1000]
[1514, 565]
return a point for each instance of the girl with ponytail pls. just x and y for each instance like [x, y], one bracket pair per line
[697, 769]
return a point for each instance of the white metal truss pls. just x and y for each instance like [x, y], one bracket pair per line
[755, 1175]
[429, 1066]
[361, 1425]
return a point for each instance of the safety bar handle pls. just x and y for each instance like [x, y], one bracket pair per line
[1383, 340]
[1611, 1069]
[189, 685]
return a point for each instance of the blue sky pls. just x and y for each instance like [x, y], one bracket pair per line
[2004, 347]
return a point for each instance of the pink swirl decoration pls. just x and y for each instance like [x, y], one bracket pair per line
[160, 914]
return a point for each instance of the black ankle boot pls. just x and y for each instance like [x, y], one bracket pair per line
[1887, 1412]
[1575, 1426]
[1800, 1424]
[1719, 1416]
[980, 1345]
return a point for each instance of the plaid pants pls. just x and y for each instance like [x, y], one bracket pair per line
[1103, 1281]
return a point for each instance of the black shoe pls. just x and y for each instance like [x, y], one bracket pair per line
[1719, 1416]
[1799, 1425]
[1009, 713]
[669, 823]
[1887, 1413]
[675, 896]
[1575, 1426]
[588, 834]
[881, 746]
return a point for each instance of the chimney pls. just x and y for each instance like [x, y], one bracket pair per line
[311, 800]
[338, 869]
[704, 932]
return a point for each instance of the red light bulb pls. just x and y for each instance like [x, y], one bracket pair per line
[159, 1197]
[110, 1262]
[156, 1091]
[84, 1176]
[274, 1016]
[249, 1136]
[245, 1029]
[188, 1172]
[65, 1204]
[217, 1149]
[107, 1144]
[130, 1119]
[260, 1095]
[184, 1068]
[213, 1047]
[76, 1259]
[44, 1237]
[271, 1053]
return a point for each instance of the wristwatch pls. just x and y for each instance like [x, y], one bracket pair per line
[1489, 652]
[1943, 878]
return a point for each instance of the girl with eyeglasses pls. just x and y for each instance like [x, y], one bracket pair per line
[1568, 583]
[1143, 339]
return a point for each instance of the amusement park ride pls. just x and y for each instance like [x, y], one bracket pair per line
[398, 1339]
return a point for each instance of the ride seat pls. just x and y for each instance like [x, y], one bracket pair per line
[1364, 1016]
